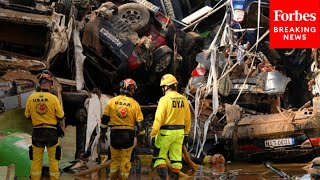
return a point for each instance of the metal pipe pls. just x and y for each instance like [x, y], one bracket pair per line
[204, 17]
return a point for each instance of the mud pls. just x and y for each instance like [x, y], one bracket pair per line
[231, 170]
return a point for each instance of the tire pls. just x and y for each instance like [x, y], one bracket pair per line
[135, 15]
[162, 59]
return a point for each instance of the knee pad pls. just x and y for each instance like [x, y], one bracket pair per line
[30, 153]
[58, 152]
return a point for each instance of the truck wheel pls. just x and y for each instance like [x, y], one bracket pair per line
[135, 15]
[162, 59]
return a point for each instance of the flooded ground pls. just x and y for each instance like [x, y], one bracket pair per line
[231, 170]
[236, 170]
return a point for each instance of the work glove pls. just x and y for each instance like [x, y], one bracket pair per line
[60, 131]
[103, 135]
[153, 141]
[142, 132]
[185, 140]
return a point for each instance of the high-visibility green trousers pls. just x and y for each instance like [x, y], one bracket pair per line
[120, 164]
[169, 141]
[36, 164]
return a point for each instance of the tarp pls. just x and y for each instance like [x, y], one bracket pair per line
[95, 107]
[14, 149]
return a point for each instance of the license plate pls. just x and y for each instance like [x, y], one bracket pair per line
[111, 37]
[240, 86]
[279, 142]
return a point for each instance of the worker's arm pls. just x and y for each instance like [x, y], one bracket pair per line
[59, 111]
[159, 117]
[139, 119]
[27, 110]
[105, 119]
[187, 121]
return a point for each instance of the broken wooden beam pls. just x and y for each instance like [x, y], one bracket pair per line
[7, 172]
[66, 81]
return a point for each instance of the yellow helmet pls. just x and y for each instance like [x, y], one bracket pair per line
[168, 79]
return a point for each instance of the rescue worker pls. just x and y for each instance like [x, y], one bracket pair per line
[122, 114]
[45, 111]
[170, 128]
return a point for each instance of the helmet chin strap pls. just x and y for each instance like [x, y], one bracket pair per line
[126, 92]
[164, 89]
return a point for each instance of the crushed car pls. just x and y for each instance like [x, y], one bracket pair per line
[121, 42]
[280, 137]
[240, 68]
[33, 35]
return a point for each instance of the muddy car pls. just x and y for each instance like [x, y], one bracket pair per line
[122, 42]
[240, 68]
[33, 35]
[293, 63]
[265, 76]
[284, 136]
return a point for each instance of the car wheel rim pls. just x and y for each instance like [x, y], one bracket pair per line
[131, 16]
[163, 63]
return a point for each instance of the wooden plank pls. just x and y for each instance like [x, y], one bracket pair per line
[11, 172]
[66, 81]
[7, 172]
[3, 172]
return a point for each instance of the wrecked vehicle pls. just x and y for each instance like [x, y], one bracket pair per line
[247, 66]
[284, 136]
[121, 42]
[240, 68]
[118, 36]
[33, 35]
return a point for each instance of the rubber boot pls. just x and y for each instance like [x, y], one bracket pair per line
[174, 174]
[163, 173]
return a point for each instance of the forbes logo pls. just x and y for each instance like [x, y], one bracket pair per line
[279, 15]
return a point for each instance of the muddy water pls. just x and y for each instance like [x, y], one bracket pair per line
[250, 171]
[231, 170]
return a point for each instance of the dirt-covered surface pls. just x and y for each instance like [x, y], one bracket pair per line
[15, 120]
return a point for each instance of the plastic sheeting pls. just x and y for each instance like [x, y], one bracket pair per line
[94, 111]
[15, 150]
[95, 107]
[79, 58]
